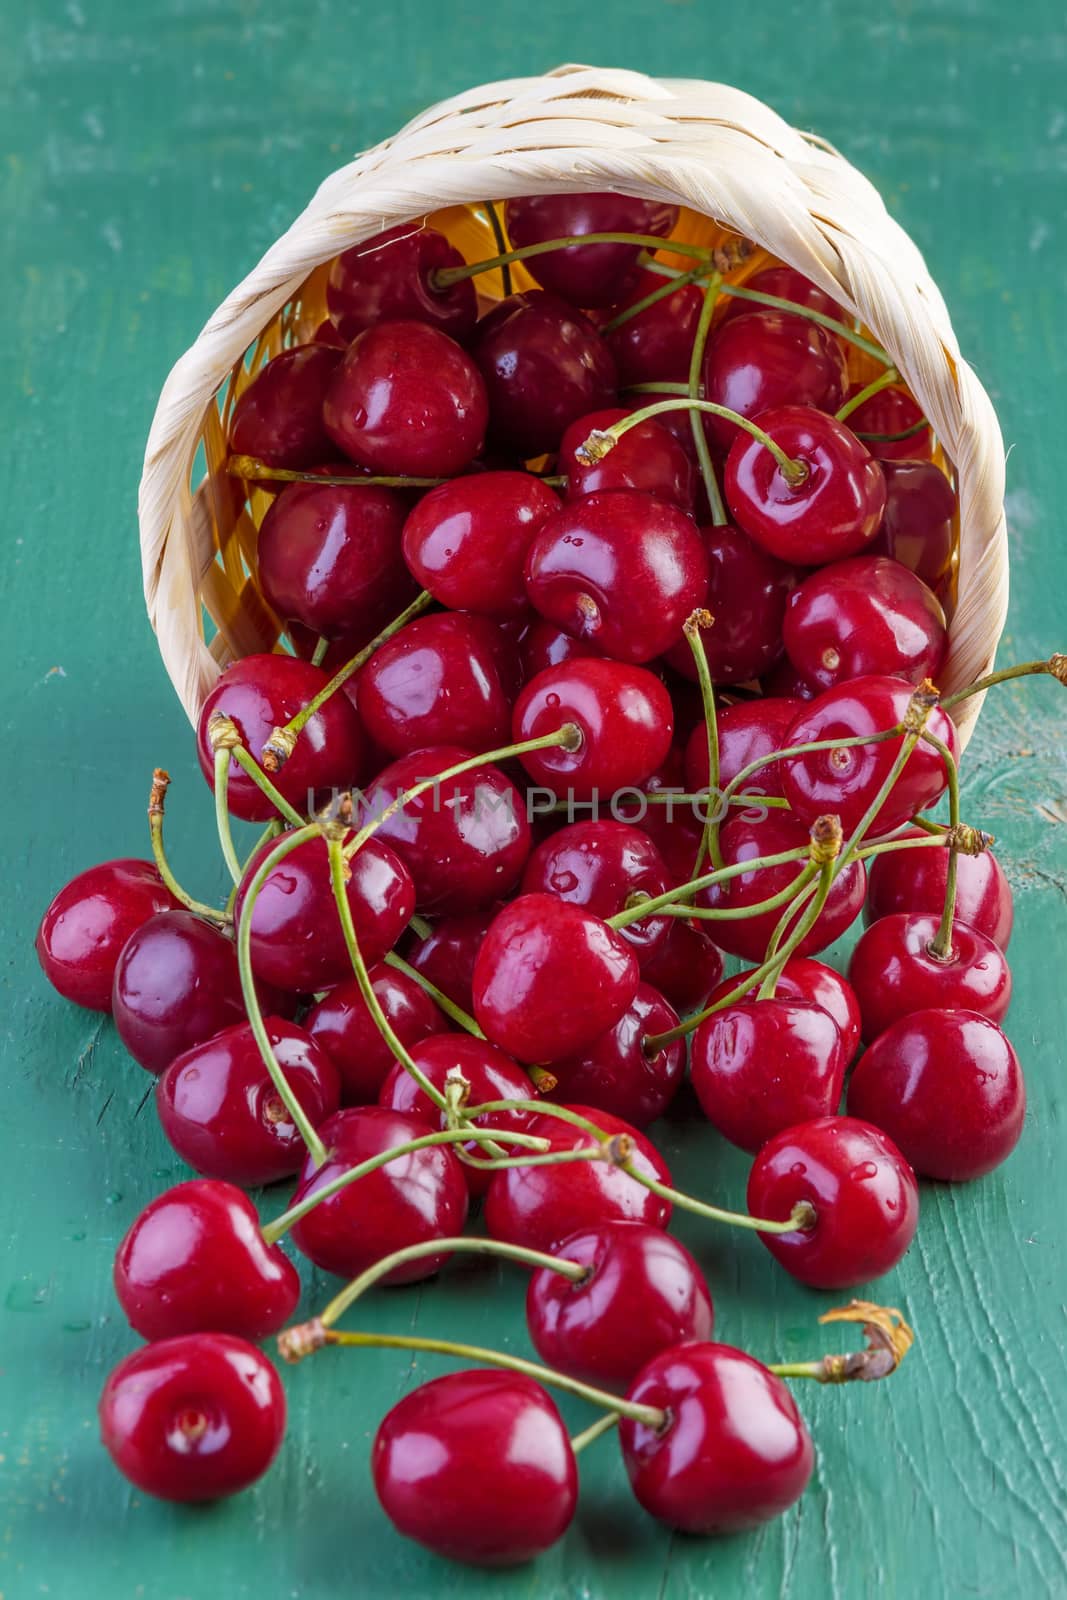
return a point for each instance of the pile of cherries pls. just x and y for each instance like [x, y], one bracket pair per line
[613, 611]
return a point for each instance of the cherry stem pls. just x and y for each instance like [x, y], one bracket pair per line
[248, 765]
[709, 837]
[222, 812]
[736, 869]
[895, 438]
[804, 925]
[160, 784]
[318, 655]
[602, 440]
[888, 1340]
[694, 275]
[438, 996]
[941, 945]
[249, 468]
[1055, 666]
[842, 329]
[445, 277]
[885, 381]
[811, 748]
[421, 927]
[681, 797]
[696, 392]
[594, 1431]
[501, 244]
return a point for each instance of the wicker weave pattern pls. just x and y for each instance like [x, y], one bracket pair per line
[704, 145]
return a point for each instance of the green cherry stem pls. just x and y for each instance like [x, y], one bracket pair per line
[825, 846]
[694, 275]
[318, 655]
[895, 438]
[595, 1430]
[462, 1018]
[1055, 666]
[684, 891]
[696, 392]
[445, 277]
[222, 811]
[843, 331]
[253, 770]
[255, 471]
[884, 381]
[941, 945]
[160, 784]
[709, 838]
[501, 244]
[602, 440]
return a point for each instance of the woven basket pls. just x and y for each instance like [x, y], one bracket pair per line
[715, 151]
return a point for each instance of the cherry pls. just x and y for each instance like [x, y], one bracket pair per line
[656, 345]
[735, 1451]
[297, 942]
[617, 1073]
[221, 1112]
[418, 1196]
[804, 979]
[278, 419]
[864, 1193]
[867, 614]
[391, 275]
[891, 411]
[758, 362]
[466, 541]
[341, 1024]
[947, 1088]
[465, 840]
[544, 365]
[589, 274]
[915, 880]
[430, 1468]
[748, 837]
[541, 1206]
[624, 715]
[195, 1261]
[406, 399]
[550, 977]
[894, 971]
[326, 333]
[193, 1418]
[599, 865]
[787, 284]
[544, 645]
[746, 595]
[447, 955]
[435, 682]
[836, 509]
[785, 681]
[748, 730]
[642, 1293]
[82, 933]
[329, 556]
[647, 458]
[686, 967]
[847, 780]
[262, 692]
[917, 528]
[760, 1066]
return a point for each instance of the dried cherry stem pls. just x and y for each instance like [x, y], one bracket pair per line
[603, 440]
[249, 468]
[694, 275]
[884, 381]
[696, 392]
[445, 277]
[888, 1337]
[842, 329]
[1055, 667]
[940, 946]
[595, 1430]
[438, 996]
[709, 838]
[160, 785]
[501, 244]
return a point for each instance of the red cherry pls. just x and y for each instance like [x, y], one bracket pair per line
[914, 880]
[84, 929]
[591, 274]
[804, 979]
[624, 715]
[544, 365]
[195, 1261]
[735, 1451]
[868, 614]
[747, 731]
[591, 1329]
[193, 1418]
[297, 941]
[329, 556]
[278, 418]
[746, 595]
[430, 1468]
[342, 1025]
[447, 955]
[917, 528]
[835, 511]
[261, 693]
[757, 363]
[406, 399]
[549, 978]
[599, 865]
[947, 1088]
[846, 781]
[541, 1206]
[466, 541]
[760, 1066]
[686, 967]
[894, 972]
[787, 284]
[891, 411]
[864, 1193]
[435, 682]
[391, 276]
[544, 645]
[647, 458]
[415, 1197]
[221, 1112]
[656, 345]
[465, 840]
[616, 1073]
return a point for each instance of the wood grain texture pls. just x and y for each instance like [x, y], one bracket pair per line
[151, 153]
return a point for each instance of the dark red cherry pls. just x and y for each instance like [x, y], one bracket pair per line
[735, 1451]
[914, 880]
[623, 713]
[846, 781]
[894, 972]
[686, 967]
[642, 1293]
[947, 1088]
[435, 682]
[647, 458]
[550, 977]
[748, 730]
[406, 399]
[600, 865]
[787, 284]
[759, 1066]
[297, 940]
[465, 840]
[656, 345]
[326, 333]
[221, 1112]
[746, 595]
[194, 1260]
[541, 1206]
[617, 1073]
[747, 837]
[865, 615]
[892, 411]
[261, 693]
[466, 541]
[415, 1197]
[196, 1417]
[329, 556]
[391, 275]
[84, 929]
[918, 525]
[544, 365]
[430, 1468]
[864, 1193]
[341, 1024]
[278, 418]
[447, 955]
[804, 979]
[759, 362]
[835, 511]
[544, 645]
[590, 274]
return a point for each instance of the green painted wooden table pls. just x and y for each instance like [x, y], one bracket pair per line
[151, 152]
